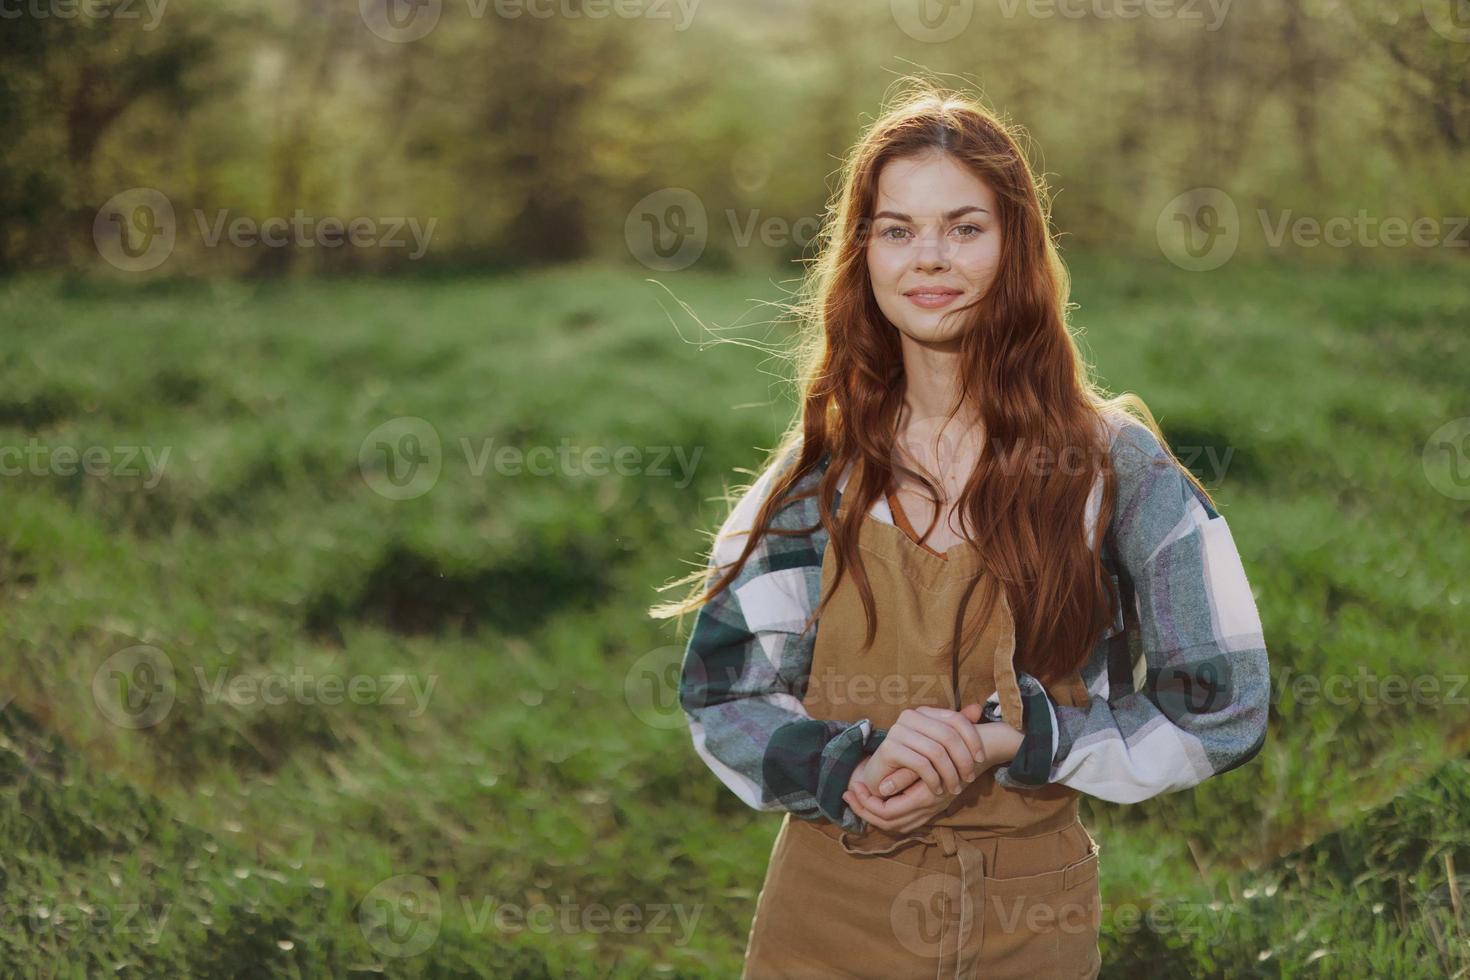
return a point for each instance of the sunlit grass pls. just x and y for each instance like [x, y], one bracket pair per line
[523, 775]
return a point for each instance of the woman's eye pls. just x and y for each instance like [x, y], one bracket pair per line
[894, 233]
[969, 231]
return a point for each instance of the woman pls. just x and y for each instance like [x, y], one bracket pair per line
[968, 683]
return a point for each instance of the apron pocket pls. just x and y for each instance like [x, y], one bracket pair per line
[1045, 924]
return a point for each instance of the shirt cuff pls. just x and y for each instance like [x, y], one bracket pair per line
[1032, 764]
[840, 758]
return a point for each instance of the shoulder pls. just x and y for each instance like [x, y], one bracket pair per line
[1146, 470]
[1133, 446]
[1156, 500]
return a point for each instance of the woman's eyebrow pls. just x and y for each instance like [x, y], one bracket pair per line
[948, 215]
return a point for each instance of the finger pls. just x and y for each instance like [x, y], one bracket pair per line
[887, 780]
[917, 798]
[945, 728]
[895, 752]
[965, 729]
[969, 738]
[939, 757]
[862, 810]
[946, 749]
[871, 804]
[897, 781]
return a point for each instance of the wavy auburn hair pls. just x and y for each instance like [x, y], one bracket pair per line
[1022, 376]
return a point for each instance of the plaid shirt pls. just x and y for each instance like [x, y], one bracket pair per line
[1178, 685]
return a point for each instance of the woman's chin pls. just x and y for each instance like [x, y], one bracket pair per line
[930, 332]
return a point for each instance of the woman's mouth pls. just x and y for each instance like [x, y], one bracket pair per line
[932, 298]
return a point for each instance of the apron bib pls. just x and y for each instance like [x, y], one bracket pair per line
[1003, 883]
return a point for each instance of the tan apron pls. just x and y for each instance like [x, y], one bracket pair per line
[1002, 884]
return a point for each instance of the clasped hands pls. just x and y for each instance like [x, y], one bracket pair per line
[927, 759]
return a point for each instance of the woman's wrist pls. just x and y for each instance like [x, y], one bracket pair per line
[1000, 741]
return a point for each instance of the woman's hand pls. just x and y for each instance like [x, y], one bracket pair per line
[939, 746]
[908, 811]
[999, 742]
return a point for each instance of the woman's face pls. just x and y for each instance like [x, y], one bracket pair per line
[935, 245]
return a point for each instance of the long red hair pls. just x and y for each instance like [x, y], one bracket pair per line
[1022, 375]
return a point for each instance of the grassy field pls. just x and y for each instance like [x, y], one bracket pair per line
[265, 719]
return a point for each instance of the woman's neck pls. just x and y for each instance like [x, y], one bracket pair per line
[932, 382]
[932, 388]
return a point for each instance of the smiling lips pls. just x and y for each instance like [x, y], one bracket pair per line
[932, 297]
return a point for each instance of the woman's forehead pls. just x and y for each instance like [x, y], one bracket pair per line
[929, 186]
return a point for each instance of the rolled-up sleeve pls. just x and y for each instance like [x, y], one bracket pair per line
[1201, 705]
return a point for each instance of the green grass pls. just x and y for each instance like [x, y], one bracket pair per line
[540, 769]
